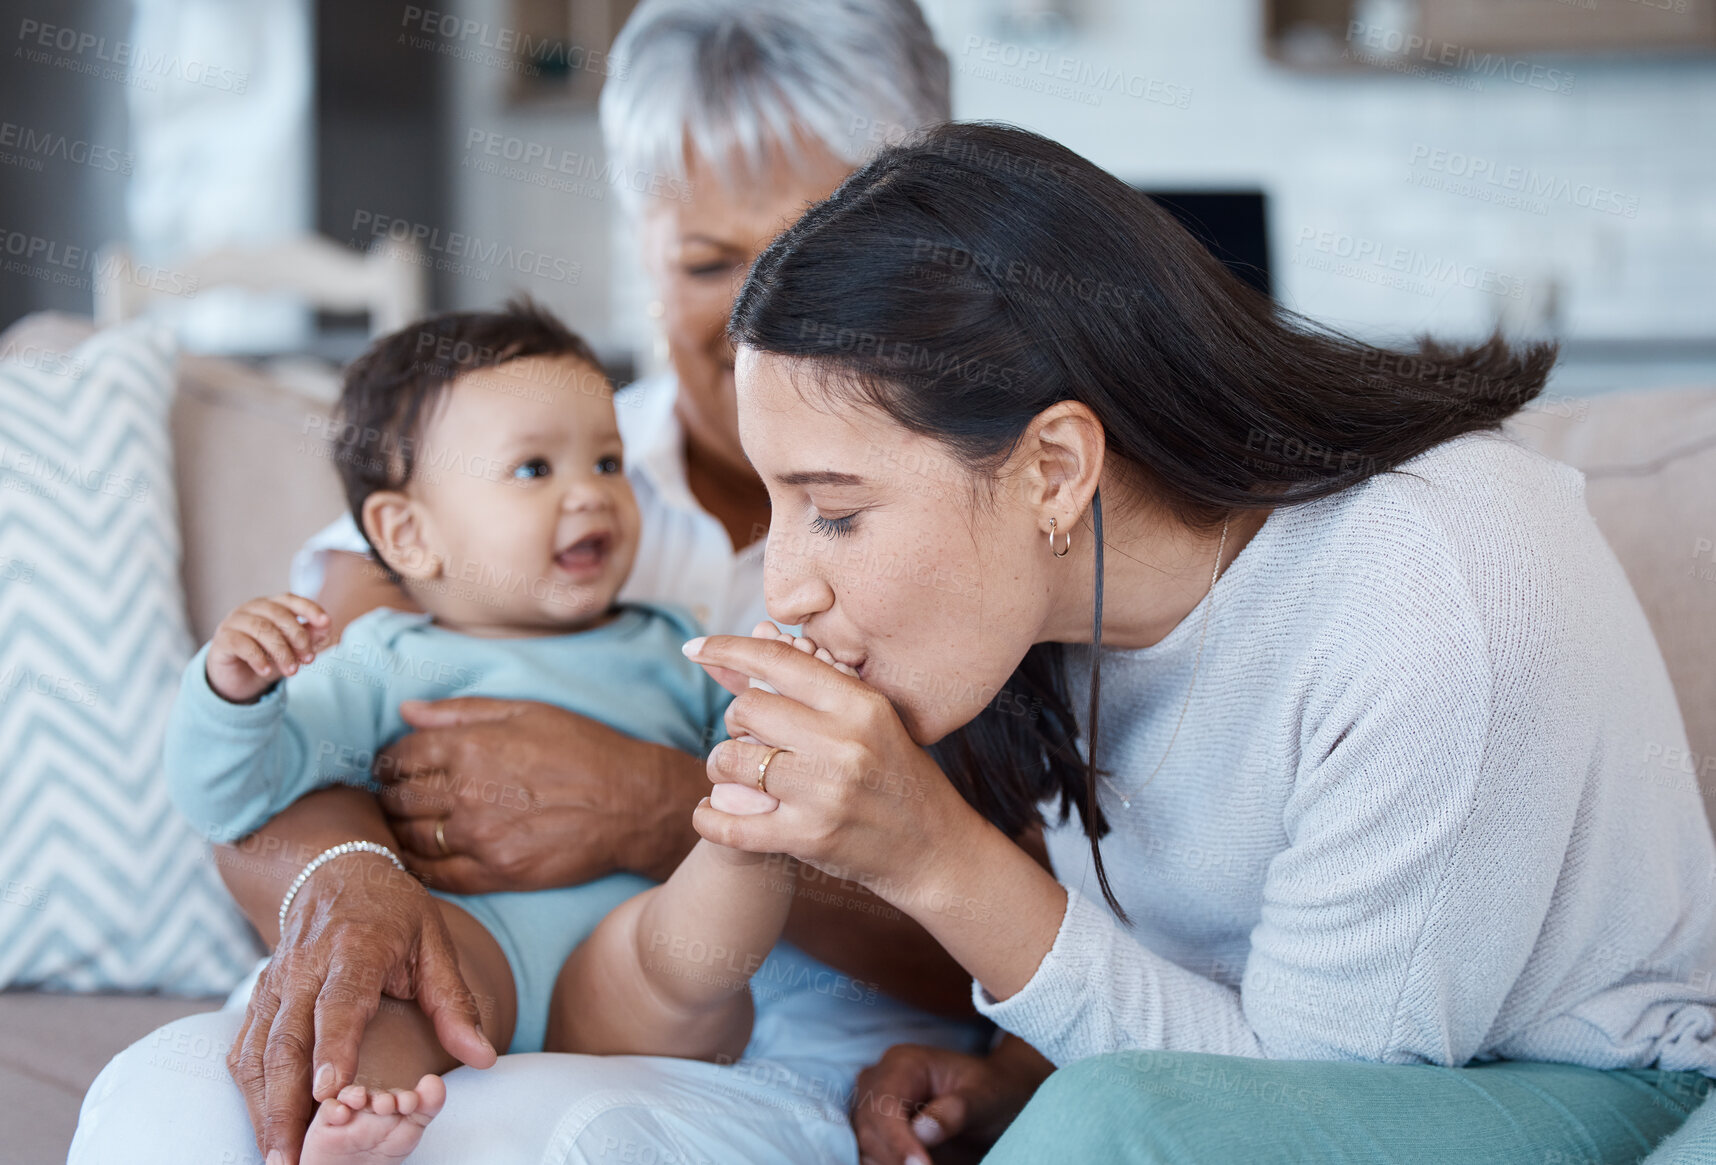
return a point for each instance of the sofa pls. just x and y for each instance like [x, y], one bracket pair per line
[251, 489]
[252, 484]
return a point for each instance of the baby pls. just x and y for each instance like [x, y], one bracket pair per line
[482, 460]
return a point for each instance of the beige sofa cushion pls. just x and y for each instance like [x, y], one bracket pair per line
[1649, 460]
[254, 482]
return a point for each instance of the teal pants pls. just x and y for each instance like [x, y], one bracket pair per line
[1183, 1108]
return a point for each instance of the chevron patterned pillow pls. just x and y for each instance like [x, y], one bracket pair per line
[102, 886]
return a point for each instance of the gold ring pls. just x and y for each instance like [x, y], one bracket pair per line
[763, 770]
[441, 837]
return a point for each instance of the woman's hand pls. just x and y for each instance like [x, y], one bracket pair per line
[917, 1097]
[860, 800]
[358, 928]
[731, 797]
[859, 797]
[530, 797]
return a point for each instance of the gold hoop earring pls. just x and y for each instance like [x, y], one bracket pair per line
[1063, 551]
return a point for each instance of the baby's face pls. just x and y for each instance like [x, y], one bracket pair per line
[527, 511]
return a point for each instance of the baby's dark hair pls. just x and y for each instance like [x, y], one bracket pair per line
[392, 389]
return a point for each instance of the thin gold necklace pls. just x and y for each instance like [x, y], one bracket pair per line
[1197, 662]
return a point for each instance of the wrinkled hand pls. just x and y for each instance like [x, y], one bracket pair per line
[530, 796]
[917, 1097]
[358, 928]
[261, 641]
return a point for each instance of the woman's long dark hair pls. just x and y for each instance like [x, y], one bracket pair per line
[967, 280]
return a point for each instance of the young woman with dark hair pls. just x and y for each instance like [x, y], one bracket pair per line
[1332, 699]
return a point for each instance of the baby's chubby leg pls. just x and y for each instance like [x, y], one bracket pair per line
[381, 1116]
[667, 973]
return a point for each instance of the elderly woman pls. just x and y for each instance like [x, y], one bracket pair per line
[745, 112]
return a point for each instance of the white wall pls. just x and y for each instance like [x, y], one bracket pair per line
[1336, 154]
[1355, 242]
[522, 177]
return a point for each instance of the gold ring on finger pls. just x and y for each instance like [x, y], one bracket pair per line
[763, 769]
[441, 837]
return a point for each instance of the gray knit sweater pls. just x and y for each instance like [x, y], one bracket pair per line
[1417, 812]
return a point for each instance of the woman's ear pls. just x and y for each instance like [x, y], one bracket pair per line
[1063, 451]
[397, 528]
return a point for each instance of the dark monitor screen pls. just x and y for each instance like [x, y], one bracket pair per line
[1233, 224]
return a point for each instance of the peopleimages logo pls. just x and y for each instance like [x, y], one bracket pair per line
[52, 261]
[35, 145]
[32, 471]
[541, 164]
[1482, 178]
[461, 37]
[71, 689]
[85, 52]
[1388, 47]
[1056, 74]
[465, 254]
[1403, 268]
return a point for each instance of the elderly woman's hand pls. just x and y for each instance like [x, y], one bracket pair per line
[357, 928]
[493, 795]
[917, 1097]
[859, 798]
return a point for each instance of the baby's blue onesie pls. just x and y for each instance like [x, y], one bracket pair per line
[232, 767]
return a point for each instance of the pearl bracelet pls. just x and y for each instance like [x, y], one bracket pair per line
[327, 855]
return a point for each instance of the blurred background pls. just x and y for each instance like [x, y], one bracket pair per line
[1388, 166]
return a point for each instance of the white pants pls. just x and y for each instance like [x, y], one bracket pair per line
[168, 1100]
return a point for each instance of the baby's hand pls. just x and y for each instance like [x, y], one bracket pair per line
[261, 641]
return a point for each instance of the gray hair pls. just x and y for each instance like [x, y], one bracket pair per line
[733, 77]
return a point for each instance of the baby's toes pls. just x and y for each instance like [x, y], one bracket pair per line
[354, 1096]
[383, 1103]
[334, 1113]
[827, 657]
[804, 645]
[431, 1093]
[766, 630]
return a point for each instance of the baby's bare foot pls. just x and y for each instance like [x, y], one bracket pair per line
[768, 630]
[369, 1126]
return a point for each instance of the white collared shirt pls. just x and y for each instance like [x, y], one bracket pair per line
[684, 554]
